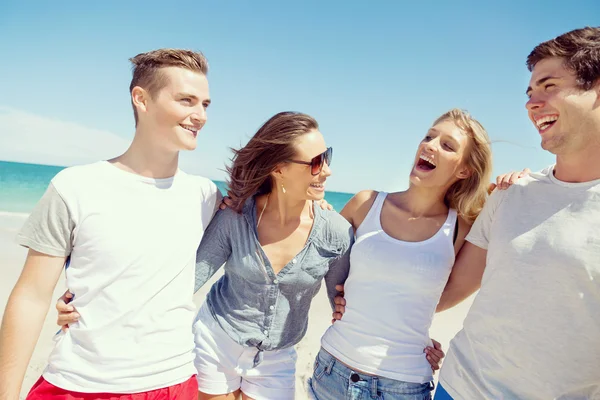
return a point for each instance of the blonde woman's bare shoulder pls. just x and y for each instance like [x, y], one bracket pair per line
[358, 206]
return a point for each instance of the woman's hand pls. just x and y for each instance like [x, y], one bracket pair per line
[434, 355]
[66, 313]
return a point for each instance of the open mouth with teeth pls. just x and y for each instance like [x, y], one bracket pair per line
[425, 164]
[545, 123]
[318, 186]
[191, 129]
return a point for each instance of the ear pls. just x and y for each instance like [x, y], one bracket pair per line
[139, 98]
[463, 172]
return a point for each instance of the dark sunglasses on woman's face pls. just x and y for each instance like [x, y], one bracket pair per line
[316, 164]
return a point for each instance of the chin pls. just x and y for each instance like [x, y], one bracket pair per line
[188, 145]
[316, 196]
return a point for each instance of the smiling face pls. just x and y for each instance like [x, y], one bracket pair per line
[566, 116]
[174, 115]
[297, 179]
[440, 157]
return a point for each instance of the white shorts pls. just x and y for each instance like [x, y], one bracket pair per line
[224, 366]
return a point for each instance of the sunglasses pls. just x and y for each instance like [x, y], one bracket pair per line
[316, 164]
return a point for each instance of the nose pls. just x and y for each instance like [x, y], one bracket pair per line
[199, 116]
[535, 102]
[431, 145]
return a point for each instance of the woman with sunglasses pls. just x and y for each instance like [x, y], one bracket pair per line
[405, 248]
[277, 247]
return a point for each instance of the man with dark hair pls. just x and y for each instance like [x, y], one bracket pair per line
[533, 331]
[130, 228]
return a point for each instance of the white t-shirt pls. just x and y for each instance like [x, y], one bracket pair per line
[533, 331]
[132, 245]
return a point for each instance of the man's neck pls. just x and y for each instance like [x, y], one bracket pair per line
[578, 167]
[147, 159]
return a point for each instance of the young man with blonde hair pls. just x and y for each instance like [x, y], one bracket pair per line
[129, 228]
[533, 331]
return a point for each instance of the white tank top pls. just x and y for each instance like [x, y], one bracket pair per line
[391, 294]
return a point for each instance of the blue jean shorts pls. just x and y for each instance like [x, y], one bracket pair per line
[332, 380]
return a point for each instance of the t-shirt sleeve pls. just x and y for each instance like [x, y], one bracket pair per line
[49, 228]
[480, 232]
[211, 203]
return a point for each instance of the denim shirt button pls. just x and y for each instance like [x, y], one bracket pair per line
[271, 307]
[275, 281]
[266, 332]
[294, 261]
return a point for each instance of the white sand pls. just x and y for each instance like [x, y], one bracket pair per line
[445, 325]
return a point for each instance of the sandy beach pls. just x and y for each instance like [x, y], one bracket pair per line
[445, 325]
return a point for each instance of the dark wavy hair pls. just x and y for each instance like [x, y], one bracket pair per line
[273, 144]
[581, 50]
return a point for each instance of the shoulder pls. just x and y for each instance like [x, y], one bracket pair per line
[205, 185]
[334, 221]
[72, 180]
[364, 197]
[533, 179]
[358, 207]
[79, 172]
[337, 230]
[523, 186]
[228, 217]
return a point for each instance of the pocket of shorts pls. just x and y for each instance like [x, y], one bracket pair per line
[414, 391]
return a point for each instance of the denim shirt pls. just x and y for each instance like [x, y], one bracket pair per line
[255, 306]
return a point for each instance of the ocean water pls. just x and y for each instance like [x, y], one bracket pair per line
[22, 185]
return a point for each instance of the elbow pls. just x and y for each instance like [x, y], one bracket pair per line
[442, 306]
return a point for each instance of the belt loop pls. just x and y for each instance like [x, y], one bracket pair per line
[374, 387]
[330, 365]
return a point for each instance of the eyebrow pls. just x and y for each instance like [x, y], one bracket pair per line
[540, 82]
[191, 96]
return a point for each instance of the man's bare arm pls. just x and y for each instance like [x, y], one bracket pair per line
[466, 276]
[23, 318]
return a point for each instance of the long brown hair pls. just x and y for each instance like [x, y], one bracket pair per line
[468, 195]
[273, 144]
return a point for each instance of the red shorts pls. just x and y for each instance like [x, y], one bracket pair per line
[43, 390]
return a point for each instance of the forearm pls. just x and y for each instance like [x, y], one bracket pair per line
[21, 325]
[465, 277]
[337, 275]
[205, 271]
[454, 295]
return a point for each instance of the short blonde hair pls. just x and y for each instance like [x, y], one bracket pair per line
[468, 195]
[147, 68]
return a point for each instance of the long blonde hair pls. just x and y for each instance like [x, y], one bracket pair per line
[468, 195]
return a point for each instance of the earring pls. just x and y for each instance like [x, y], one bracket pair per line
[283, 188]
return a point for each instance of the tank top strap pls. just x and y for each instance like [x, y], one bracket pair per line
[450, 224]
[372, 221]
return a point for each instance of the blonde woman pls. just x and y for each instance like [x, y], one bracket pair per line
[406, 243]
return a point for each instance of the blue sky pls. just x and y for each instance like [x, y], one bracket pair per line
[374, 74]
